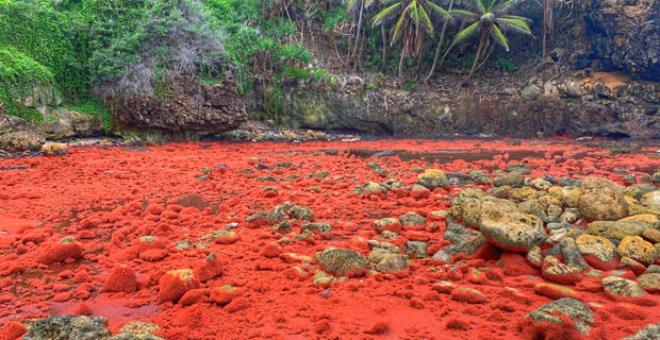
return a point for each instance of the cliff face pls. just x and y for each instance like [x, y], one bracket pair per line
[625, 35]
[184, 105]
[612, 46]
[577, 106]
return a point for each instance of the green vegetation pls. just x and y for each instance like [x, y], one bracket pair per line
[488, 19]
[412, 25]
[19, 75]
[92, 50]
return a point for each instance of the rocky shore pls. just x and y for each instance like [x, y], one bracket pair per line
[471, 237]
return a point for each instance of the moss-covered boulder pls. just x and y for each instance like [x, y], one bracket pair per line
[16, 134]
[343, 262]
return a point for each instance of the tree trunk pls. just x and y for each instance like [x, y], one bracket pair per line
[490, 47]
[548, 25]
[419, 49]
[361, 51]
[403, 56]
[439, 47]
[383, 64]
[356, 46]
[444, 56]
[333, 37]
[482, 44]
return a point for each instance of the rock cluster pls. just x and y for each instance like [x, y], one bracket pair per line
[583, 230]
[186, 106]
[18, 135]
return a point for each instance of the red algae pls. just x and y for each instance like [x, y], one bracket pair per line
[173, 235]
[122, 279]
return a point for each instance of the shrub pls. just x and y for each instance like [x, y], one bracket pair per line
[138, 43]
[19, 74]
[36, 29]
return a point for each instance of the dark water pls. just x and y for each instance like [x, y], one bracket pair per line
[447, 155]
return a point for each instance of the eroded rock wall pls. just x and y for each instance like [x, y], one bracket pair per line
[626, 35]
[183, 105]
[543, 108]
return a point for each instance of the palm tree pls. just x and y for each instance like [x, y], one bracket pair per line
[440, 43]
[413, 24]
[488, 20]
[360, 6]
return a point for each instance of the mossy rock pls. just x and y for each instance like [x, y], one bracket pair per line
[343, 262]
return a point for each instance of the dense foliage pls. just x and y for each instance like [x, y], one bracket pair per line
[19, 74]
[99, 48]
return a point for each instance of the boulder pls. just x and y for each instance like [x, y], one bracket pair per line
[121, 279]
[650, 282]
[556, 271]
[651, 199]
[637, 249]
[632, 265]
[137, 330]
[598, 251]
[343, 262]
[602, 200]
[16, 134]
[471, 210]
[411, 219]
[54, 149]
[570, 254]
[432, 178]
[392, 263]
[540, 184]
[574, 309]
[617, 230]
[648, 218]
[417, 249]
[64, 123]
[618, 287]
[649, 332]
[389, 224]
[186, 105]
[569, 195]
[175, 283]
[513, 179]
[464, 241]
[652, 234]
[69, 327]
[523, 194]
[531, 92]
[510, 230]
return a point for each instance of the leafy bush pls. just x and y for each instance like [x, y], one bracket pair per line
[334, 18]
[36, 29]
[19, 74]
[138, 43]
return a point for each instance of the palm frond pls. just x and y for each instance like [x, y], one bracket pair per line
[507, 6]
[414, 15]
[427, 20]
[378, 18]
[499, 37]
[463, 13]
[479, 5]
[396, 30]
[466, 33]
[439, 10]
[508, 16]
[514, 25]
